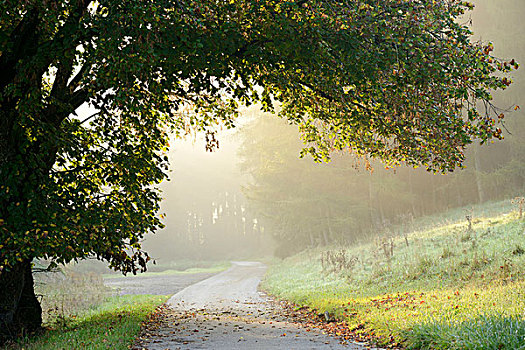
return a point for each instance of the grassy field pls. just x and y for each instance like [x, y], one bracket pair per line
[114, 324]
[449, 284]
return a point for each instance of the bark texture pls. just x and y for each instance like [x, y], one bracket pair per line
[20, 311]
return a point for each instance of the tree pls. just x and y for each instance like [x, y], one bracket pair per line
[299, 202]
[302, 203]
[399, 80]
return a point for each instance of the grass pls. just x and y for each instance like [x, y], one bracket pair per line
[483, 332]
[68, 293]
[450, 288]
[80, 312]
[115, 324]
[488, 209]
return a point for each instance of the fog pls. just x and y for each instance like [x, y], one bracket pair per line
[205, 211]
[253, 197]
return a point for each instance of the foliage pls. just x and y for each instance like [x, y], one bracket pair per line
[439, 287]
[298, 201]
[390, 79]
[304, 204]
[113, 325]
[499, 169]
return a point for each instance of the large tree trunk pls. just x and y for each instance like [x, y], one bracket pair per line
[20, 311]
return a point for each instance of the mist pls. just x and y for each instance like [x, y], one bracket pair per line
[255, 197]
[205, 212]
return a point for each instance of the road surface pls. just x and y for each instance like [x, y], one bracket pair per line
[156, 284]
[226, 312]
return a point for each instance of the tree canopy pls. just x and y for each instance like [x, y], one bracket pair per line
[391, 79]
[398, 80]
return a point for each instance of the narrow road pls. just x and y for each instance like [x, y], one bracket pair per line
[227, 312]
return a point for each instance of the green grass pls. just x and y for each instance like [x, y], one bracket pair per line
[483, 332]
[488, 209]
[115, 324]
[448, 289]
[101, 268]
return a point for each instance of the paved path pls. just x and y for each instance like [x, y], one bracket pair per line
[151, 283]
[226, 312]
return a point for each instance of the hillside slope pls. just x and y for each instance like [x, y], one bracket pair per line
[451, 285]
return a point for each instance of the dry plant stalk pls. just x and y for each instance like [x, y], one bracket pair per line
[520, 202]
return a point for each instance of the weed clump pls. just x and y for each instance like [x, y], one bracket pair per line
[447, 253]
[338, 262]
[66, 294]
[518, 250]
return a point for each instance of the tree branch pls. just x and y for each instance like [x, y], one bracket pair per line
[329, 97]
[75, 81]
[23, 38]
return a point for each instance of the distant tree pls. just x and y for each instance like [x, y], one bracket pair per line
[302, 203]
[501, 167]
[399, 80]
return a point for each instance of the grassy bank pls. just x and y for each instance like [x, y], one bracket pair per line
[80, 312]
[115, 324]
[454, 285]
